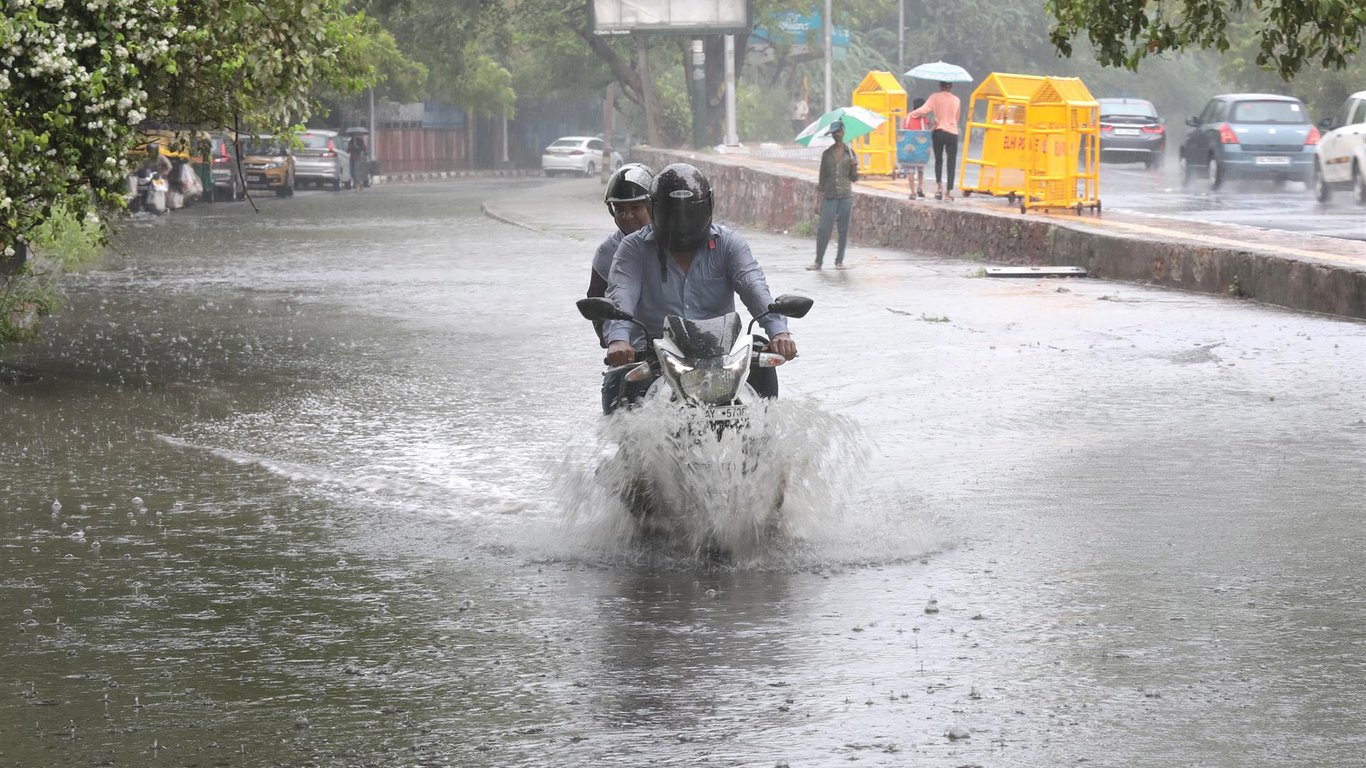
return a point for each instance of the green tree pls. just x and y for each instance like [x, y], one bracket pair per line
[458, 44]
[1287, 35]
[75, 78]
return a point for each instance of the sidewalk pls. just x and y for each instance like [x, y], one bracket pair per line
[1298, 271]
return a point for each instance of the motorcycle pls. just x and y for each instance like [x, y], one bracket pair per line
[148, 191]
[704, 465]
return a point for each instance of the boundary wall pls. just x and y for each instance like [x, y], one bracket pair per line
[1155, 252]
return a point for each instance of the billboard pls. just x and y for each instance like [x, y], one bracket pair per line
[677, 17]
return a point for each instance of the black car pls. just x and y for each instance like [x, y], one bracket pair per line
[1131, 131]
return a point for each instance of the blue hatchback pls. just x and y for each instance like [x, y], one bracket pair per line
[1250, 136]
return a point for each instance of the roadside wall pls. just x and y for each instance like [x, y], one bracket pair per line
[779, 202]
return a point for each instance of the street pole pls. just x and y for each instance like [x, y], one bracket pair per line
[699, 94]
[608, 107]
[373, 138]
[829, 55]
[900, 36]
[732, 139]
[647, 93]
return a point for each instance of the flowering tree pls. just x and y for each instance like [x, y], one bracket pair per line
[71, 86]
[77, 77]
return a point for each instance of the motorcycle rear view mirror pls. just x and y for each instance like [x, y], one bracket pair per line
[599, 309]
[791, 305]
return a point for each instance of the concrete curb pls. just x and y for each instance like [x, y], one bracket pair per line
[395, 178]
[1323, 275]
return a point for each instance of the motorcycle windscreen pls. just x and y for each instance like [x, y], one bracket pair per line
[703, 338]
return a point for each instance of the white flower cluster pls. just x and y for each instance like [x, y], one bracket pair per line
[81, 74]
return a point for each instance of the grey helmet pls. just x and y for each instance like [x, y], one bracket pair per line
[628, 184]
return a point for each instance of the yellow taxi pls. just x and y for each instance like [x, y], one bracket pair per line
[268, 164]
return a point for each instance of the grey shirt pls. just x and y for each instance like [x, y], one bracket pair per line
[602, 260]
[602, 264]
[722, 267]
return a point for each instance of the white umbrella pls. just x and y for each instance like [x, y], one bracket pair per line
[940, 71]
[858, 121]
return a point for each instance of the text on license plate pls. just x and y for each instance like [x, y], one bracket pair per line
[726, 412]
[1272, 160]
[1127, 132]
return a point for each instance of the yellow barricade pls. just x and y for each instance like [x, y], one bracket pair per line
[997, 129]
[1033, 139]
[882, 93]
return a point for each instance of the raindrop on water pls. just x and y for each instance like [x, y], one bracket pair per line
[56, 507]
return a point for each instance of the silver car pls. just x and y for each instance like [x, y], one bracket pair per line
[322, 160]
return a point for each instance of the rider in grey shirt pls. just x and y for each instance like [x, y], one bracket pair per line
[650, 286]
[684, 265]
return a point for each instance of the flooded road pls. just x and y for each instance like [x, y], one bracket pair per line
[306, 487]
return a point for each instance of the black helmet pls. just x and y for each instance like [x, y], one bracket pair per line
[682, 207]
[628, 184]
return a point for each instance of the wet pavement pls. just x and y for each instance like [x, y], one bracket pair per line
[314, 486]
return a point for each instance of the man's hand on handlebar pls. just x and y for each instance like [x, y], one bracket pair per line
[620, 353]
[782, 343]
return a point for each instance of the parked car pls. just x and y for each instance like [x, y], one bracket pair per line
[223, 169]
[268, 164]
[577, 154]
[1341, 157]
[322, 160]
[1131, 131]
[1250, 136]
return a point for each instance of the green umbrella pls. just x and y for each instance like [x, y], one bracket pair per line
[858, 121]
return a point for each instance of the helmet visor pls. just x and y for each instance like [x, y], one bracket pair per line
[687, 219]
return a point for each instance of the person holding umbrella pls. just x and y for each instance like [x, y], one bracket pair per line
[945, 107]
[839, 170]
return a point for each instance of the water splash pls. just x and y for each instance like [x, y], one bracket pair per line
[660, 482]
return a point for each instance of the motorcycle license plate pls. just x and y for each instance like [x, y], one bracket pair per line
[726, 413]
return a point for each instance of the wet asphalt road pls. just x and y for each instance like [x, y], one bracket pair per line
[307, 487]
[1289, 207]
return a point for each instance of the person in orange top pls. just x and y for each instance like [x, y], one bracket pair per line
[915, 172]
[945, 107]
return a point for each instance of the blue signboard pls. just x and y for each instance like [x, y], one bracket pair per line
[801, 29]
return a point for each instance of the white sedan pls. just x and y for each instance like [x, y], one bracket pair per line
[580, 155]
[1341, 154]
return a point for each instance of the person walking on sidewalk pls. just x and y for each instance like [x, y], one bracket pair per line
[839, 171]
[915, 170]
[946, 108]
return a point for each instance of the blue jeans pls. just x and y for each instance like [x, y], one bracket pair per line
[833, 210]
